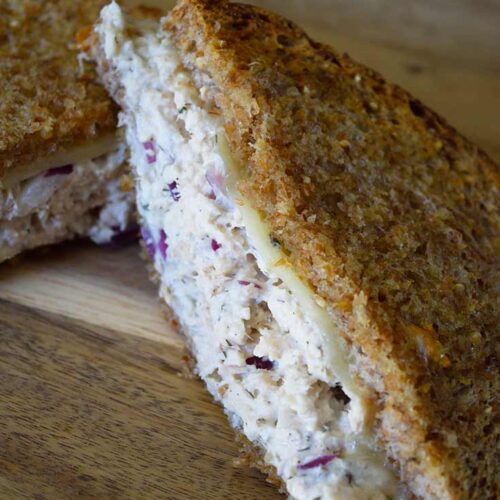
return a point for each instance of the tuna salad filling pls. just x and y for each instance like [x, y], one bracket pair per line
[86, 198]
[259, 347]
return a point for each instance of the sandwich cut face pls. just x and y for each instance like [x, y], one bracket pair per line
[263, 344]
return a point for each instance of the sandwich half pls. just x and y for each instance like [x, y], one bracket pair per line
[63, 170]
[329, 245]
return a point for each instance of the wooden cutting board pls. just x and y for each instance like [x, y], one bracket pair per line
[93, 400]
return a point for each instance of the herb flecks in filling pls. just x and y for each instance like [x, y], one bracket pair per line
[257, 347]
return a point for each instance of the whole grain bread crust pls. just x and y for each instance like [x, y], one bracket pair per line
[389, 214]
[49, 100]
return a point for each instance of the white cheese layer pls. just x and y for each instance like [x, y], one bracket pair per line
[261, 346]
[81, 199]
[77, 154]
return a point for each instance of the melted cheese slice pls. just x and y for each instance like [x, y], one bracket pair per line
[276, 261]
[77, 154]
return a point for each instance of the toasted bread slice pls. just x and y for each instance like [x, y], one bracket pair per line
[329, 245]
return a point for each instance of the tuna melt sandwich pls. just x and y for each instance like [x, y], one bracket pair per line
[329, 245]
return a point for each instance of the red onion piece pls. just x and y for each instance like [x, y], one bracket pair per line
[162, 244]
[317, 462]
[216, 181]
[174, 191]
[63, 170]
[215, 246]
[149, 147]
[148, 241]
[260, 363]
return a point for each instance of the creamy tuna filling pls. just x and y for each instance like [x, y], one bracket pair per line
[261, 350]
[89, 197]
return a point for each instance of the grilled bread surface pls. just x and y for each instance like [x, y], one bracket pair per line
[387, 213]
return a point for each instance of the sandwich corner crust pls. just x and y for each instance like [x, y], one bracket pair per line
[388, 213]
[48, 102]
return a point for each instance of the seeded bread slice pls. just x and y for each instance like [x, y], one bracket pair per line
[390, 216]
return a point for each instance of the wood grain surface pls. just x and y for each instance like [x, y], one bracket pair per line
[93, 401]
